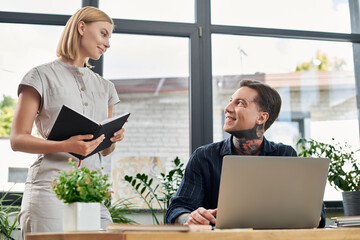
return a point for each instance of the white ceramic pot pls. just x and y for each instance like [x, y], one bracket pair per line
[81, 216]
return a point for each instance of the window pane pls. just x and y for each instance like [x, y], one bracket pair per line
[314, 78]
[17, 175]
[319, 15]
[151, 75]
[156, 10]
[66, 7]
[28, 46]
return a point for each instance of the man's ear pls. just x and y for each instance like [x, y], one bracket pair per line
[81, 27]
[262, 118]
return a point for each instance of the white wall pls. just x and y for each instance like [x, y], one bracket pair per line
[9, 158]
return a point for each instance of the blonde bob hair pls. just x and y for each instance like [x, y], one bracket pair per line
[68, 46]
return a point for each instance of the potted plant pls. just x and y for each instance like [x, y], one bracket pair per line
[82, 190]
[344, 173]
[143, 185]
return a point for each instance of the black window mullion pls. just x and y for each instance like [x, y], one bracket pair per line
[94, 3]
[200, 90]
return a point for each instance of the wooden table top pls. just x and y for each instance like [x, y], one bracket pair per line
[298, 234]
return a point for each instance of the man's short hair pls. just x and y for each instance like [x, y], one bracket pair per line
[268, 99]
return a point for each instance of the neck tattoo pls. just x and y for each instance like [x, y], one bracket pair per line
[248, 142]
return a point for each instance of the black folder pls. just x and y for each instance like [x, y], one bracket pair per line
[71, 123]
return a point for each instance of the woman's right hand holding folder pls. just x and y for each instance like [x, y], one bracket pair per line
[78, 144]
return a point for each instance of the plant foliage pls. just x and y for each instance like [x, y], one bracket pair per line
[344, 171]
[119, 209]
[320, 63]
[171, 181]
[143, 185]
[7, 110]
[8, 215]
[81, 185]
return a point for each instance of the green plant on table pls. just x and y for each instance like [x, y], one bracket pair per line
[143, 185]
[8, 215]
[81, 185]
[119, 209]
[344, 173]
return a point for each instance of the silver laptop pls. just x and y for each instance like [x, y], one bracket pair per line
[271, 192]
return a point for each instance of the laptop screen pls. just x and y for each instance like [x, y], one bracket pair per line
[271, 192]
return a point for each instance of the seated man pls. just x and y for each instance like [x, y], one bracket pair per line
[251, 111]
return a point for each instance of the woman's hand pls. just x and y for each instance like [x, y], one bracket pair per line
[78, 145]
[118, 136]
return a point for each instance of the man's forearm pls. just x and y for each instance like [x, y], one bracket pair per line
[182, 219]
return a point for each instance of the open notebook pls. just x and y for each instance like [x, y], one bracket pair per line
[271, 192]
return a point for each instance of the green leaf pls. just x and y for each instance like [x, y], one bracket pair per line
[341, 158]
[160, 197]
[133, 182]
[81, 185]
[177, 161]
[128, 178]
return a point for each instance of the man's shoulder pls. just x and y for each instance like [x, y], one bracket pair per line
[278, 149]
[279, 144]
[216, 146]
[211, 152]
[208, 155]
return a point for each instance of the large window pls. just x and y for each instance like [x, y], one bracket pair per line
[151, 75]
[314, 78]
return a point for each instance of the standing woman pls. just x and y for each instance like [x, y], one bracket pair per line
[42, 92]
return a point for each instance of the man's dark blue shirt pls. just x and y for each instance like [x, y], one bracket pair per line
[201, 181]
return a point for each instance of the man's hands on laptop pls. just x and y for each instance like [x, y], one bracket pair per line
[200, 216]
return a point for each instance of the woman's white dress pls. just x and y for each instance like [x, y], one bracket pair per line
[83, 90]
